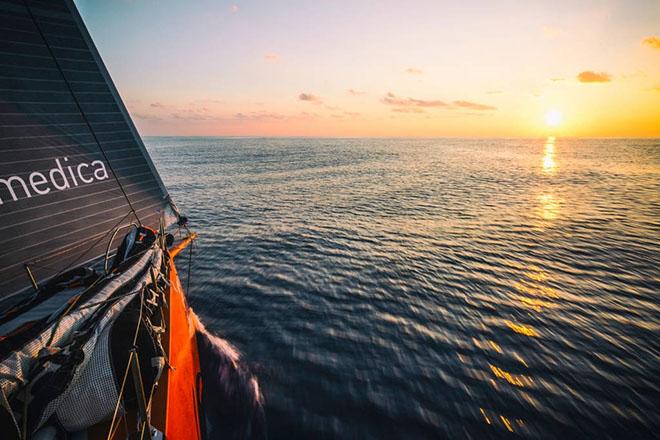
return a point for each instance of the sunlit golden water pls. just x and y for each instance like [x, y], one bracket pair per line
[397, 288]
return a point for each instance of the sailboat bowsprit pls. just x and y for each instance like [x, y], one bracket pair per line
[96, 338]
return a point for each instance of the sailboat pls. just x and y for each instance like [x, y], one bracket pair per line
[97, 340]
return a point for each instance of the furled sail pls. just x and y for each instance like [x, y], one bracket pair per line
[72, 166]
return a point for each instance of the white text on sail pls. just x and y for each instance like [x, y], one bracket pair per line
[59, 178]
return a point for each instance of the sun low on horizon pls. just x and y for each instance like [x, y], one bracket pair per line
[553, 118]
[358, 68]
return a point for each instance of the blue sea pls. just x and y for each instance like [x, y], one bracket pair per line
[431, 288]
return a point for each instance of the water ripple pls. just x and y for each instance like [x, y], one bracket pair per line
[401, 288]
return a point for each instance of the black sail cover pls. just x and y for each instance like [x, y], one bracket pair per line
[72, 165]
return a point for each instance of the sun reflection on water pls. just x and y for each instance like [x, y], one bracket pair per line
[525, 330]
[549, 206]
[518, 380]
[549, 164]
[548, 203]
[506, 422]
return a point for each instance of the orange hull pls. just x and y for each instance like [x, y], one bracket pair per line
[176, 405]
[183, 379]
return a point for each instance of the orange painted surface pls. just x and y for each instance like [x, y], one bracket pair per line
[183, 244]
[182, 418]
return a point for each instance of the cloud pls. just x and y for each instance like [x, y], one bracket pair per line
[233, 9]
[259, 116]
[308, 115]
[473, 105]
[146, 116]
[310, 98]
[652, 42]
[272, 58]
[206, 101]
[189, 116]
[556, 79]
[593, 77]
[494, 92]
[194, 114]
[391, 99]
[157, 105]
[413, 105]
[414, 71]
[354, 92]
[408, 110]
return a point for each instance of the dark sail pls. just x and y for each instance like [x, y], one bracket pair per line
[72, 165]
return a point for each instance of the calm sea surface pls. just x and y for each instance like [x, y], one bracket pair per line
[399, 288]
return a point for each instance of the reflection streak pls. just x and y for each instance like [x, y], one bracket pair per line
[549, 165]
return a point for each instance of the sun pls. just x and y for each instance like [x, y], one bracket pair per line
[553, 118]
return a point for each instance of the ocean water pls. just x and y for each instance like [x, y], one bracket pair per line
[409, 288]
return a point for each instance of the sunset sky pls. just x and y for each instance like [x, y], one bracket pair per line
[383, 68]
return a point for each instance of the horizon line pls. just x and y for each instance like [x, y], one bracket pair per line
[395, 137]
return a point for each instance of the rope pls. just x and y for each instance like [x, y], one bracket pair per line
[190, 258]
[67, 310]
[5, 404]
[86, 306]
[82, 113]
[128, 367]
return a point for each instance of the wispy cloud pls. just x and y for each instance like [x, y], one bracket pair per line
[272, 58]
[414, 71]
[354, 92]
[194, 113]
[146, 116]
[308, 115]
[310, 98]
[408, 110]
[473, 105]
[414, 105]
[206, 101]
[391, 99]
[556, 79]
[157, 105]
[233, 9]
[494, 92]
[653, 42]
[260, 116]
[594, 77]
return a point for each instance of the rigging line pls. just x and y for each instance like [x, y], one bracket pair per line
[82, 113]
[132, 353]
[78, 259]
[86, 306]
[5, 404]
[114, 298]
[66, 312]
[94, 244]
[111, 431]
[190, 258]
